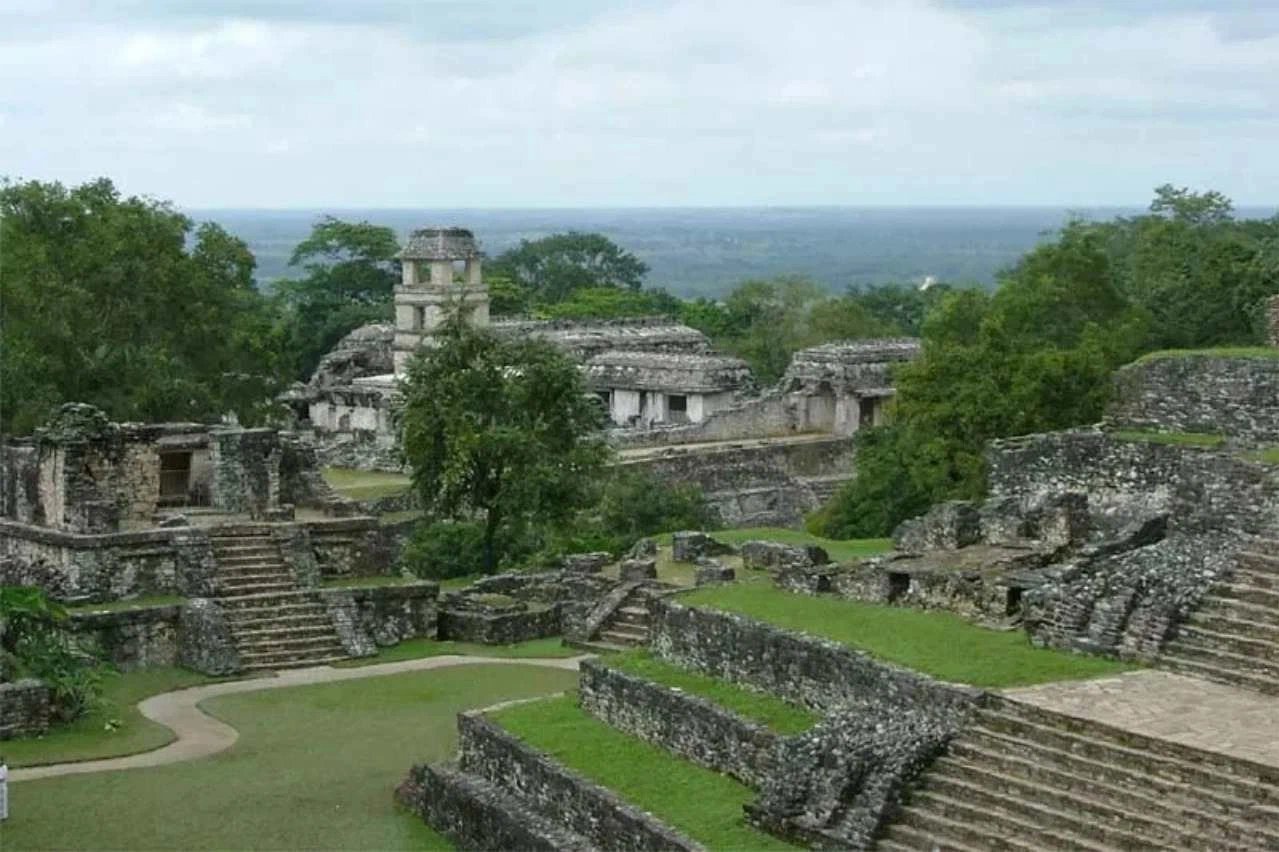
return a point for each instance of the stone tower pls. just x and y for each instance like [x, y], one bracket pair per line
[441, 269]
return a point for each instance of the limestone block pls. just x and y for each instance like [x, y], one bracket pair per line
[638, 569]
[709, 572]
[587, 563]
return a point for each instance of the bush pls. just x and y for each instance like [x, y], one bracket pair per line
[33, 644]
[444, 549]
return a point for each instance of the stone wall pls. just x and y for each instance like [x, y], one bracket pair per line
[25, 709]
[20, 482]
[73, 567]
[1234, 396]
[366, 618]
[813, 672]
[768, 484]
[205, 642]
[476, 815]
[246, 470]
[352, 547]
[1128, 481]
[498, 625]
[580, 806]
[130, 639]
[691, 727]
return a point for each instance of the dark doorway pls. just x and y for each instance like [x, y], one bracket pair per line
[898, 586]
[866, 412]
[175, 478]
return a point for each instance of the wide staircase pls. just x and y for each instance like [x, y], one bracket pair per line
[1024, 778]
[275, 624]
[628, 625]
[1233, 636]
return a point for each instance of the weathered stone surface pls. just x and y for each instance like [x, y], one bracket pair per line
[691, 727]
[637, 569]
[383, 615]
[204, 639]
[946, 526]
[691, 545]
[587, 563]
[130, 639]
[477, 815]
[710, 572]
[578, 805]
[771, 555]
[835, 785]
[493, 627]
[297, 551]
[25, 708]
[804, 669]
[175, 519]
[1205, 393]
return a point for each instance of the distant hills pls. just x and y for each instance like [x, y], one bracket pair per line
[706, 251]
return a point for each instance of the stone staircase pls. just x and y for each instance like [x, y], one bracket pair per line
[1024, 778]
[1233, 636]
[627, 625]
[275, 624]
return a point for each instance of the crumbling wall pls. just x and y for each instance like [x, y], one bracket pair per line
[753, 485]
[130, 639]
[1233, 396]
[25, 708]
[246, 471]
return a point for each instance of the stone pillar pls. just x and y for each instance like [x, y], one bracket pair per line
[1272, 321]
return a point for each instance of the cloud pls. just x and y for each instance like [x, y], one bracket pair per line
[673, 102]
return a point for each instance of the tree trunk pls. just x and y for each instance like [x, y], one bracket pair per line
[491, 522]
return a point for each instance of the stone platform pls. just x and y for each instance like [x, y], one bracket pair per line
[1192, 712]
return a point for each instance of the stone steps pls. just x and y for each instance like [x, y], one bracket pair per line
[1213, 604]
[1225, 621]
[627, 626]
[1170, 660]
[1227, 662]
[229, 590]
[1238, 590]
[1228, 642]
[1022, 777]
[624, 637]
[255, 635]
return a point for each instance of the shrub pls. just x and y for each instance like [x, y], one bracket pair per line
[443, 549]
[33, 644]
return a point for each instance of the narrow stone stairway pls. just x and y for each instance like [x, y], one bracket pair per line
[1233, 636]
[275, 624]
[627, 626]
[1024, 778]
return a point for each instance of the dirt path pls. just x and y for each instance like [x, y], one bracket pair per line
[200, 735]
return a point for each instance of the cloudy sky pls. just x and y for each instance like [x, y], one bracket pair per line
[497, 103]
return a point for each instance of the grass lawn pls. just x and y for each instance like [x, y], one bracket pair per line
[1218, 352]
[365, 484]
[88, 737]
[121, 606]
[314, 768]
[703, 804]
[1177, 439]
[413, 649]
[758, 707]
[840, 551]
[937, 643]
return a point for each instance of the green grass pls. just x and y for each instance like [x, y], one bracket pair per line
[1216, 352]
[369, 582]
[365, 484]
[1265, 455]
[414, 649]
[1177, 439]
[703, 804]
[840, 551]
[89, 737]
[390, 518]
[121, 606]
[314, 768]
[767, 710]
[939, 644]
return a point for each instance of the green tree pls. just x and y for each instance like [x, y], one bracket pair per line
[553, 268]
[613, 303]
[351, 273]
[501, 432]
[1036, 355]
[104, 303]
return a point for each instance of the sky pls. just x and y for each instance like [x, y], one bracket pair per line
[586, 103]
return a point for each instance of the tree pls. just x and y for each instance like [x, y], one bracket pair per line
[500, 431]
[104, 303]
[612, 303]
[351, 273]
[1036, 355]
[553, 268]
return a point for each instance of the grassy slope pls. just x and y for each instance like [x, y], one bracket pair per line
[314, 768]
[414, 649]
[134, 603]
[764, 709]
[840, 551]
[1217, 352]
[1179, 439]
[939, 644]
[87, 738]
[703, 804]
[365, 484]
